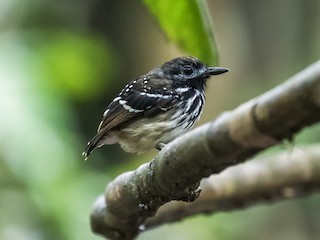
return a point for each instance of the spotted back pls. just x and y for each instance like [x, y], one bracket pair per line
[143, 97]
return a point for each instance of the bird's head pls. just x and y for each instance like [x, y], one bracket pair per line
[187, 71]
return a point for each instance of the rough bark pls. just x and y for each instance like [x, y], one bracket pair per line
[292, 174]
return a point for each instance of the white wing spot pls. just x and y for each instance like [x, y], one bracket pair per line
[166, 96]
[155, 95]
[122, 102]
[182, 89]
[106, 112]
[116, 99]
[130, 109]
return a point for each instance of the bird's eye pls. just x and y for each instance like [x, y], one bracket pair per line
[187, 70]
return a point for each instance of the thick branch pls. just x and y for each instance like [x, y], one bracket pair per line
[287, 175]
[175, 173]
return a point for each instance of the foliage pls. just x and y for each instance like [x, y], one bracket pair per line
[187, 24]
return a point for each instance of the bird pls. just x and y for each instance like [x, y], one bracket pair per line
[155, 108]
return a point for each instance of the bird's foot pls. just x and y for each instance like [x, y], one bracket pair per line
[160, 145]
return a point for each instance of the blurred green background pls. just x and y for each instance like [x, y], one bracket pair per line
[61, 62]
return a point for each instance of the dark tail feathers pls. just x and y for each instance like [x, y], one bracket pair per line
[92, 144]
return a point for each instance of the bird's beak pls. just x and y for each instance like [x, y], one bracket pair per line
[216, 70]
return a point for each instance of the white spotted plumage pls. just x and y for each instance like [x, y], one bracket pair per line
[182, 89]
[156, 107]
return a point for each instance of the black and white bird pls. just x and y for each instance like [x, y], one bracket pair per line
[155, 108]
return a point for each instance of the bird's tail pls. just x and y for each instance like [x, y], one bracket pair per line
[92, 144]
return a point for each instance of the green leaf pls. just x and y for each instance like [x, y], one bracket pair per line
[187, 23]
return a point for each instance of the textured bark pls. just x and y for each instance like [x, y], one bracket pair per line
[292, 174]
[175, 173]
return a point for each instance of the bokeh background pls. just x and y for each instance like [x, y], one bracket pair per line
[61, 62]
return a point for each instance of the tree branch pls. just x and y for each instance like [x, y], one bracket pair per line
[175, 173]
[287, 175]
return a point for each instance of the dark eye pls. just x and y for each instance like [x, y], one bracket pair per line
[187, 70]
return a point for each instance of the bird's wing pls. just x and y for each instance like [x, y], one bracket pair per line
[134, 106]
[143, 97]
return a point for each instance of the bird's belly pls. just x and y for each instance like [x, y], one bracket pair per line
[143, 135]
